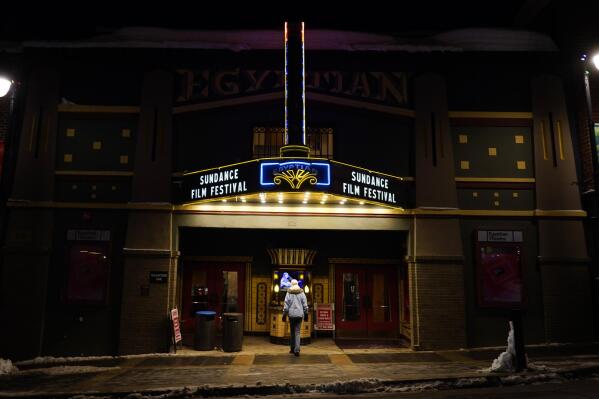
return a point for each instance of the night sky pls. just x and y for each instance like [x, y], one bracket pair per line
[392, 17]
[571, 23]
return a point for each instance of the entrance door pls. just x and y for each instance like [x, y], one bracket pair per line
[211, 286]
[366, 301]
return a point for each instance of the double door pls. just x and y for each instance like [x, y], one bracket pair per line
[211, 286]
[366, 301]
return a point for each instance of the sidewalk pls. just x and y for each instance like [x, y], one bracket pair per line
[262, 369]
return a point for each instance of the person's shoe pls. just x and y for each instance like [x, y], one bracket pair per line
[296, 353]
[290, 350]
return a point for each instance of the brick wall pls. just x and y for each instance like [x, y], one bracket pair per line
[4, 110]
[144, 319]
[567, 301]
[437, 297]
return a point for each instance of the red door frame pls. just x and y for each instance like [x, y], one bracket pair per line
[366, 322]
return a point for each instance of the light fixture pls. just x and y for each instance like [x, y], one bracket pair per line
[276, 287]
[224, 200]
[306, 289]
[243, 199]
[361, 202]
[595, 61]
[5, 85]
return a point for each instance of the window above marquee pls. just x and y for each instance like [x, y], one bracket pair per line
[267, 142]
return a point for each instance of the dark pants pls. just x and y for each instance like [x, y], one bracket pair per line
[295, 326]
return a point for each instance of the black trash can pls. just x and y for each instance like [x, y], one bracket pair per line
[204, 338]
[232, 332]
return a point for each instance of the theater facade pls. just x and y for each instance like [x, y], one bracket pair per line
[436, 194]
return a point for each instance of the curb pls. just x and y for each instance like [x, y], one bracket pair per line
[363, 385]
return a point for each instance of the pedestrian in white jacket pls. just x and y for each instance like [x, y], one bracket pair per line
[296, 306]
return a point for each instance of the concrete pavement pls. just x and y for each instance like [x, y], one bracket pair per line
[262, 369]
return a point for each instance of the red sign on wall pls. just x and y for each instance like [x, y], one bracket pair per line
[324, 316]
[176, 327]
[88, 274]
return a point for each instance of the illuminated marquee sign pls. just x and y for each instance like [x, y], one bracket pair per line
[224, 182]
[368, 185]
[293, 175]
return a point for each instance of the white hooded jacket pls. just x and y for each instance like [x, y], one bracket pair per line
[296, 304]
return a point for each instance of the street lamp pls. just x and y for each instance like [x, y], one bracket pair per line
[5, 85]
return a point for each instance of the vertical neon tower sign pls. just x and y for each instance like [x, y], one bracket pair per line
[295, 92]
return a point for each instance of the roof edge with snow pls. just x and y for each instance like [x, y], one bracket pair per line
[472, 39]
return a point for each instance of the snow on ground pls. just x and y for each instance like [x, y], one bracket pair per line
[6, 367]
[55, 360]
[64, 370]
[529, 379]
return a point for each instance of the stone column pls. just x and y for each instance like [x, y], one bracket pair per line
[29, 230]
[563, 258]
[436, 274]
[145, 305]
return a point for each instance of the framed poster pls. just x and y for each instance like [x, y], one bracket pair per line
[88, 273]
[499, 274]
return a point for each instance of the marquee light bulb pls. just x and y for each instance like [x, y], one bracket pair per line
[306, 289]
[276, 287]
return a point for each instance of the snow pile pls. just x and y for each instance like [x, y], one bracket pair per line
[6, 367]
[530, 379]
[421, 386]
[350, 387]
[506, 360]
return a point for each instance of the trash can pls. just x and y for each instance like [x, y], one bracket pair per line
[232, 332]
[204, 338]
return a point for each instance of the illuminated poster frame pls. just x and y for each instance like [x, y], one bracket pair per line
[499, 271]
